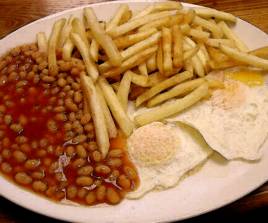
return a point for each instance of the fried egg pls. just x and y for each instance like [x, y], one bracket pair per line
[234, 120]
[163, 153]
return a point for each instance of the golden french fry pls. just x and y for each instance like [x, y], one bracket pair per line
[134, 49]
[115, 20]
[65, 33]
[125, 17]
[213, 28]
[125, 41]
[165, 21]
[232, 36]
[163, 6]
[52, 45]
[159, 58]
[189, 16]
[217, 42]
[214, 83]
[67, 49]
[42, 42]
[94, 50]
[166, 44]
[151, 63]
[245, 57]
[131, 62]
[198, 34]
[190, 53]
[84, 51]
[123, 90]
[213, 13]
[176, 91]
[188, 65]
[117, 110]
[177, 48]
[185, 29]
[111, 128]
[115, 86]
[173, 107]
[174, 80]
[149, 81]
[135, 23]
[92, 96]
[143, 69]
[79, 28]
[260, 52]
[102, 38]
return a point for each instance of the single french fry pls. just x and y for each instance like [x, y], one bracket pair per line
[115, 20]
[173, 107]
[149, 81]
[102, 38]
[79, 28]
[217, 42]
[245, 57]
[111, 128]
[84, 51]
[42, 42]
[117, 110]
[260, 52]
[135, 23]
[67, 49]
[213, 13]
[176, 91]
[65, 33]
[151, 63]
[115, 86]
[163, 6]
[214, 83]
[159, 58]
[198, 34]
[131, 62]
[52, 45]
[189, 16]
[94, 50]
[177, 48]
[125, 17]
[213, 28]
[231, 35]
[92, 96]
[123, 90]
[125, 41]
[166, 43]
[143, 69]
[174, 80]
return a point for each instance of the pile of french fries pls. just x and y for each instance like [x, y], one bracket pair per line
[161, 53]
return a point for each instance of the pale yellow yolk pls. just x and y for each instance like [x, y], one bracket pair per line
[248, 77]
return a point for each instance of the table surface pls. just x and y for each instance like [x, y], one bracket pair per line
[14, 14]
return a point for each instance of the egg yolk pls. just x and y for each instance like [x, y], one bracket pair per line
[248, 77]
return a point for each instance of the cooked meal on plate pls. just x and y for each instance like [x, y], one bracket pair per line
[98, 111]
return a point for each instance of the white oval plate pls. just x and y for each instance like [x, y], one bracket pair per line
[218, 183]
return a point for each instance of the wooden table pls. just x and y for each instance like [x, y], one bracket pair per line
[16, 13]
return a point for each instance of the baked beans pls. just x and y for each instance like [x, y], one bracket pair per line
[47, 142]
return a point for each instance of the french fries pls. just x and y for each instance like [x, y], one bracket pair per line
[213, 13]
[94, 50]
[79, 28]
[111, 128]
[151, 63]
[117, 110]
[42, 42]
[143, 69]
[166, 44]
[177, 49]
[52, 45]
[232, 36]
[176, 79]
[102, 38]
[96, 110]
[245, 57]
[260, 52]
[173, 107]
[176, 91]
[84, 51]
[67, 49]
[213, 28]
[64, 36]
[123, 90]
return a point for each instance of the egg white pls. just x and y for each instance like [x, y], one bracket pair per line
[237, 131]
[190, 152]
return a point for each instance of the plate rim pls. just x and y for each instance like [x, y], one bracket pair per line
[52, 215]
